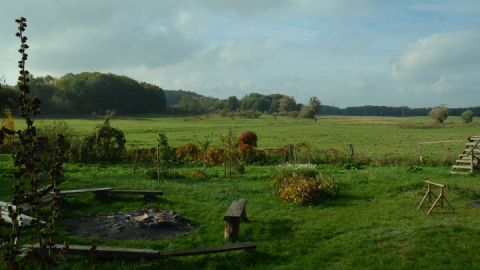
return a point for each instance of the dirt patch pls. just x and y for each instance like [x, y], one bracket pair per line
[141, 224]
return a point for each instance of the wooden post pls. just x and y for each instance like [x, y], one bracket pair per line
[352, 152]
[232, 218]
[471, 160]
[158, 163]
[231, 228]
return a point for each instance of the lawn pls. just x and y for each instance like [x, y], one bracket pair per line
[373, 224]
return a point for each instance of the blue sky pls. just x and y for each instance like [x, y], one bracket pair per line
[345, 52]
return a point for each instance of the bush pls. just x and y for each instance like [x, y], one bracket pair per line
[467, 116]
[299, 184]
[51, 131]
[250, 114]
[303, 190]
[106, 144]
[249, 138]
[188, 153]
[246, 146]
[439, 114]
[214, 156]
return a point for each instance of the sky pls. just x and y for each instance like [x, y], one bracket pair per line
[345, 52]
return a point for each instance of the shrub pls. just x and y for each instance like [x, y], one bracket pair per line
[467, 116]
[188, 153]
[439, 114]
[246, 146]
[214, 155]
[249, 138]
[300, 189]
[165, 151]
[106, 143]
[8, 123]
[51, 132]
[299, 184]
[250, 114]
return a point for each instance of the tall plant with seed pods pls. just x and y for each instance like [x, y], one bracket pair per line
[32, 181]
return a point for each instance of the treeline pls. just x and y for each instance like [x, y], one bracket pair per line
[91, 93]
[275, 103]
[389, 111]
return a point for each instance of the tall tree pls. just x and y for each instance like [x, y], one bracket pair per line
[287, 104]
[232, 103]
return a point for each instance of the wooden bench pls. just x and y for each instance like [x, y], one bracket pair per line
[147, 194]
[137, 254]
[101, 193]
[235, 213]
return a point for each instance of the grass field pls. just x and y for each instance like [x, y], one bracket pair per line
[373, 224]
[375, 137]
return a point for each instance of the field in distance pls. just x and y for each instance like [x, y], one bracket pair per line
[371, 136]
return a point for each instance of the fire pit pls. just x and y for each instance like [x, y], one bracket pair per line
[141, 224]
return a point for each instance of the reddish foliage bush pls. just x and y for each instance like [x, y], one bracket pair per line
[187, 152]
[214, 155]
[246, 146]
[249, 138]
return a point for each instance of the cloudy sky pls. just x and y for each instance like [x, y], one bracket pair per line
[345, 52]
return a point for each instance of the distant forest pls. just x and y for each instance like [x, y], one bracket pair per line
[91, 93]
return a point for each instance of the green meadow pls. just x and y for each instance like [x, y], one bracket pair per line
[374, 137]
[372, 224]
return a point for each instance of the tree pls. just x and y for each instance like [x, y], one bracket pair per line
[467, 116]
[190, 104]
[287, 104]
[312, 108]
[232, 103]
[439, 114]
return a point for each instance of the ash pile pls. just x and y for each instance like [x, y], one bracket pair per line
[142, 224]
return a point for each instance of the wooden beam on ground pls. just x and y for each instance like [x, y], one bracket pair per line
[139, 254]
[248, 246]
[85, 190]
[147, 194]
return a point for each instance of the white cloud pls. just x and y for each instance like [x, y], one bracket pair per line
[439, 58]
[441, 68]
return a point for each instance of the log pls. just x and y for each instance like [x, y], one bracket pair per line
[106, 252]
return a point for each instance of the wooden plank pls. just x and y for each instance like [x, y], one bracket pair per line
[105, 252]
[200, 251]
[457, 172]
[461, 167]
[435, 184]
[141, 254]
[236, 209]
[134, 192]
[85, 190]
